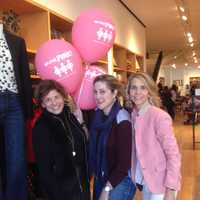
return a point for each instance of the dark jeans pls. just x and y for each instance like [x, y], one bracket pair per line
[13, 164]
[125, 190]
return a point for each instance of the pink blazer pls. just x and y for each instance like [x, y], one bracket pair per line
[157, 150]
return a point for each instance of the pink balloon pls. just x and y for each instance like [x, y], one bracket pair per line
[93, 34]
[59, 60]
[84, 97]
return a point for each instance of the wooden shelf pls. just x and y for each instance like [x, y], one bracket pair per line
[60, 27]
[19, 6]
[123, 70]
[125, 62]
[130, 71]
[119, 69]
[60, 23]
[102, 61]
[35, 77]
[36, 24]
[30, 51]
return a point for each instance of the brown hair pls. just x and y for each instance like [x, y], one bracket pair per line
[45, 86]
[111, 82]
[150, 85]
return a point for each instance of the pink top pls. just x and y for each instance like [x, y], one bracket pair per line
[157, 149]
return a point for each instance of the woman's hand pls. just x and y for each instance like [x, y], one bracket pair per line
[104, 195]
[79, 115]
[105, 192]
[170, 194]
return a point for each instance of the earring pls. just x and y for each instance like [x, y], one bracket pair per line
[150, 100]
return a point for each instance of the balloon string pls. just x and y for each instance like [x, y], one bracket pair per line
[87, 65]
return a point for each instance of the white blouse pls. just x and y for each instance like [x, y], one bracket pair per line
[7, 75]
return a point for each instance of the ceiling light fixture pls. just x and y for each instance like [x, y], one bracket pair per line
[190, 40]
[182, 9]
[184, 18]
[174, 66]
[189, 34]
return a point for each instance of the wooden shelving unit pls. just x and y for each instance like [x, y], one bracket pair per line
[103, 63]
[39, 24]
[60, 27]
[126, 62]
[35, 77]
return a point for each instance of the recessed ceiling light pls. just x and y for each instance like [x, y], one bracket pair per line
[186, 64]
[192, 44]
[195, 61]
[181, 8]
[198, 67]
[184, 18]
[175, 57]
[190, 40]
[189, 34]
[173, 65]
[193, 54]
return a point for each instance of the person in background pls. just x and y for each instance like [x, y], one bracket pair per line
[167, 102]
[174, 92]
[156, 160]
[192, 89]
[187, 90]
[110, 143]
[160, 88]
[59, 143]
[191, 108]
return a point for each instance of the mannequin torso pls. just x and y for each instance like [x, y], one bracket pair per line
[1, 29]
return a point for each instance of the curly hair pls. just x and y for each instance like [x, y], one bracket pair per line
[45, 86]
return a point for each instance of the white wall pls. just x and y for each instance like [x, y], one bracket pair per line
[184, 74]
[130, 33]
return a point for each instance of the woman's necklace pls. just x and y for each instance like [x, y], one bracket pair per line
[70, 136]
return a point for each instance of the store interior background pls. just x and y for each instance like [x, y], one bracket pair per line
[172, 27]
[144, 29]
[163, 29]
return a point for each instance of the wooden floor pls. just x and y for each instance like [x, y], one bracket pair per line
[190, 159]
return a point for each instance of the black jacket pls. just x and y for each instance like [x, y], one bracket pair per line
[55, 139]
[18, 52]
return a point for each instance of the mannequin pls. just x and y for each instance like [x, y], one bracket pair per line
[15, 109]
[1, 26]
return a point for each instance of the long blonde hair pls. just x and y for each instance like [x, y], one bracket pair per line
[149, 83]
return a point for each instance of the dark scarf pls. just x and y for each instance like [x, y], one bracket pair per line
[99, 133]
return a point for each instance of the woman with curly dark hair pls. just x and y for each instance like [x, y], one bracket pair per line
[59, 143]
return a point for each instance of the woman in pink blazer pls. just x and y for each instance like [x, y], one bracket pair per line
[156, 159]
